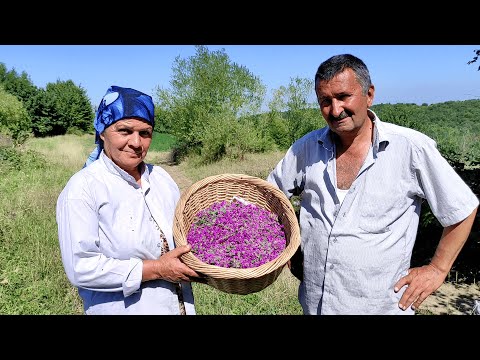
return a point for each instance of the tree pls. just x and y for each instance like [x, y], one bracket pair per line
[42, 105]
[63, 107]
[475, 58]
[205, 88]
[294, 105]
[19, 85]
[73, 108]
[14, 118]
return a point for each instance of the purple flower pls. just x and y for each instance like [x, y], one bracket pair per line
[236, 235]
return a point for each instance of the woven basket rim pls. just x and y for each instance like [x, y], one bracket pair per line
[235, 273]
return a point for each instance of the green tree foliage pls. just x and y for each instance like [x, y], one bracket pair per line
[42, 105]
[453, 125]
[206, 88]
[14, 119]
[292, 115]
[401, 114]
[278, 125]
[225, 135]
[62, 108]
[16, 84]
[73, 108]
[22, 87]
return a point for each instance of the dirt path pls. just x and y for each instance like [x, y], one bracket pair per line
[452, 299]
[449, 299]
[182, 181]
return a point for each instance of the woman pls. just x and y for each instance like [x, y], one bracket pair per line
[115, 219]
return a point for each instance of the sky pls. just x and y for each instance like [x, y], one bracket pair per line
[401, 73]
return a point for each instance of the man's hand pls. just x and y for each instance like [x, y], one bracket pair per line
[421, 282]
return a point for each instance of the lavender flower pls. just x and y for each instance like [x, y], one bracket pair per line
[236, 235]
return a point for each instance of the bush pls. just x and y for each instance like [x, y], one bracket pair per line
[14, 119]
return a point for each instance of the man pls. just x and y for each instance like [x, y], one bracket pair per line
[362, 183]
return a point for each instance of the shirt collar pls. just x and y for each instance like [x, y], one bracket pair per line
[116, 170]
[325, 139]
[380, 136]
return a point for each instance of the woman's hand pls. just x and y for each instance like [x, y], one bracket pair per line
[170, 267]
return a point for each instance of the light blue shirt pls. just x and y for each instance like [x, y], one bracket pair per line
[356, 250]
[107, 224]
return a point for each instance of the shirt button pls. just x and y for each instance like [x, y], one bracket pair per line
[334, 240]
[332, 266]
[159, 245]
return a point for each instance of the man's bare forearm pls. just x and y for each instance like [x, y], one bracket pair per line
[451, 243]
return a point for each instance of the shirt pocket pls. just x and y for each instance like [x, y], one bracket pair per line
[373, 226]
[380, 209]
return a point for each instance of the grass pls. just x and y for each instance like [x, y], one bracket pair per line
[258, 165]
[161, 142]
[277, 299]
[32, 279]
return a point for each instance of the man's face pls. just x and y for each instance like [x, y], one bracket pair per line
[342, 103]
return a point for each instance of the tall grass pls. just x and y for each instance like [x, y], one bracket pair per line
[32, 278]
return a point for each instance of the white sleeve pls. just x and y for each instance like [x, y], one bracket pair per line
[85, 266]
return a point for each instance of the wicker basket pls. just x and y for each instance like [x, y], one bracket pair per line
[202, 195]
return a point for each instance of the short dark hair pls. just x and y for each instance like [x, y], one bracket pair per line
[338, 63]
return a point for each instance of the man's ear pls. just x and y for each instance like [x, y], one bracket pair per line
[370, 95]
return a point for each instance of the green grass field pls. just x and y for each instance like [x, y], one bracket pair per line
[162, 142]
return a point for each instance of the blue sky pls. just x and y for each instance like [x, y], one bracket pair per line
[401, 73]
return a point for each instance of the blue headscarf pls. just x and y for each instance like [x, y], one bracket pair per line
[117, 104]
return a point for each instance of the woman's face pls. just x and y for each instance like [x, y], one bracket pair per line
[126, 143]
